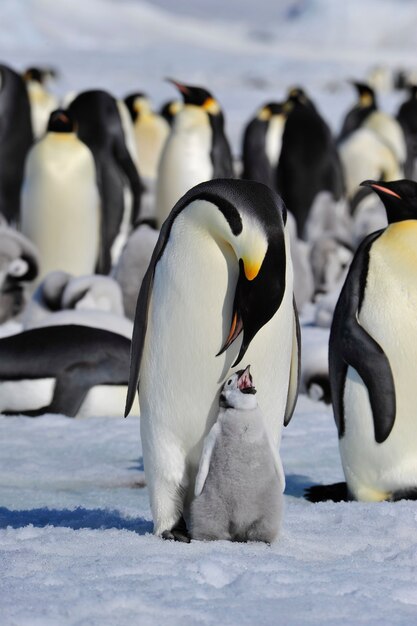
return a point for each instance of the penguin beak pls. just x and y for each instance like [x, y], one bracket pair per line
[379, 188]
[244, 382]
[180, 86]
[234, 332]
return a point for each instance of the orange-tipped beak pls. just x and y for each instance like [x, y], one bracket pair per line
[235, 330]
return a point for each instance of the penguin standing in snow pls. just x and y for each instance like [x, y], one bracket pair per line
[372, 356]
[196, 150]
[366, 114]
[60, 200]
[308, 162]
[16, 137]
[239, 485]
[99, 126]
[42, 101]
[262, 144]
[220, 282]
[151, 131]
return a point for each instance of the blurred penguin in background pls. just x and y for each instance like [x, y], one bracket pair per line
[99, 126]
[150, 130]
[308, 154]
[407, 117]
[196, 150]
[366, 114]
[262, 144]
[169, 110]
[16, 137]
[19, 264]
[60, 200]
[133, 263]
[42, 101]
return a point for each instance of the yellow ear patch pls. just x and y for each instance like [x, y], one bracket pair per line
[211, 106]
[365, 100]
[264, 114]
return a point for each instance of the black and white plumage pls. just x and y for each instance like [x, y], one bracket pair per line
[308, 154]
[407, 117]
[372, 354]
[240, 481]
[16, 137]
[262, 144]
[196, 150]
[42, 101]
[219, 283]
[99, 126]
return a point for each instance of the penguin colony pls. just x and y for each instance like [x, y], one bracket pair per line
[216, 274]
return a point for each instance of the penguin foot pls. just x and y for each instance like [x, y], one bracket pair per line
[178, 532]
[337, 492]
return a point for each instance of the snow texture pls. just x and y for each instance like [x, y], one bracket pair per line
[75, 526]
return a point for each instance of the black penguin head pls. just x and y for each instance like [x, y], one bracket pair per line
[270, 109]
[198, 96]
[297, 97]
[169, 110]
[61, 121]
[38, 74]
[367, 98]
[131, 101]
[399, 198]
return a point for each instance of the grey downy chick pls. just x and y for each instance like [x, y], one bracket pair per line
[239, 485]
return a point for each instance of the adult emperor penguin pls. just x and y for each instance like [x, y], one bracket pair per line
[239, 485]
[372, 355]
[15, 140]
[65, 368]
[219, 286]
[196, 149]
[151, 132]
[262, 144]
[366, 114]
[99, 126]
[60, 200]
[308, 154]
[42, 101]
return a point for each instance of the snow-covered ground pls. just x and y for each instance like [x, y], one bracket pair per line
[75, 527]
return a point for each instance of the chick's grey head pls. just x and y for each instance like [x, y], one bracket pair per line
[238, 392]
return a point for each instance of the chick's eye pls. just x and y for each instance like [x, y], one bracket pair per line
[229, 382]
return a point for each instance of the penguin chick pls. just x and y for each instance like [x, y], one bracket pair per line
[239, 485]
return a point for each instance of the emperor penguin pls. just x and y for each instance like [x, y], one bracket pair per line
[74, 369]
[16, 137]
[42, 101]
[407, 117]
[60, 200]
[169, 110]
[262, 144]
[372, 355]
[196, 150]
[219, 286]
[151, 131]
[308, 154]
[366, 114]
[239, 485]
[99, 126]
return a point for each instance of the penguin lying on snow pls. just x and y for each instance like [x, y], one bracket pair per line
[70, 369]
[372, 356]
[220, 282]
[240, 481]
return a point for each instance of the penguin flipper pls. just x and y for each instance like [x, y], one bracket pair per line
[295, 368]
[208, 447]
[350, 344]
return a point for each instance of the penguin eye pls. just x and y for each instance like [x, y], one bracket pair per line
[229, 382]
